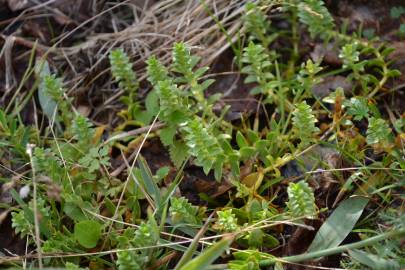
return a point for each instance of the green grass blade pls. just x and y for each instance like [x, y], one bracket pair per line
[373, 261]
[150, 184]
[208, 256]
[339, 224]
[48, 104]
[193, 246]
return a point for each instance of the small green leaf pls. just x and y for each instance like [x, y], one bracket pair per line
[181, 211]
[378, 131]
[87, 233]
[247, 152]
[162, 172]
[339, 224]
[240, 140]
[350, 54]
[227, 221]
[253, 137]
[358, 108]
[156, 71]
[396, 12]
[121, 68]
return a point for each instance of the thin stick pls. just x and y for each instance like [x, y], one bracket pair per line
[354, 169]
[154, 126]
[30, 147]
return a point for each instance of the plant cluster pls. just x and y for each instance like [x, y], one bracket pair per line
[137, 218]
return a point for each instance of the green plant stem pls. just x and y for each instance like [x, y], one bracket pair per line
[335, 250]
[384, 78]
[295, 40]
[325, 252]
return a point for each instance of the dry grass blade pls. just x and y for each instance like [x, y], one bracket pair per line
[153, 32]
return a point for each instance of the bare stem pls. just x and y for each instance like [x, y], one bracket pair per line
[335, 250]
[30, 147]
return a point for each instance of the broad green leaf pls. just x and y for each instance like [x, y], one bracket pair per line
[152, 102]
[73, 211]
[48, 104]
[87, 233]
[339, 224]
[373, 261]
[255, 239]
[208, 256]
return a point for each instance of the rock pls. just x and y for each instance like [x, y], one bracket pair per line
[329, 84]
